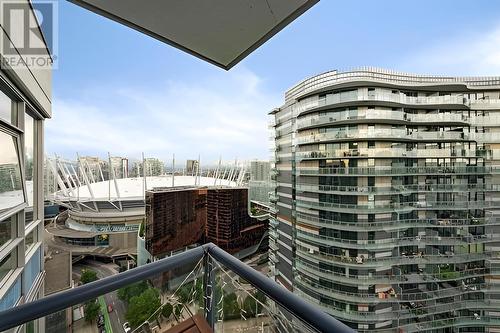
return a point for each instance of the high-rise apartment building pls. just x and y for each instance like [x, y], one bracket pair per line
[192, 167]
[259, 185]
[259, 170]
[25, 101]
[388, 199]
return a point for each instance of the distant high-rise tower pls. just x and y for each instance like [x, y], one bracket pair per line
[388, 199]
[191, 167]
[260, 182]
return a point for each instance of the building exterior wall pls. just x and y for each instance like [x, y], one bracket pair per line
[25, 95]
[179, 217]
[174, 219]
[387, 199]
[228, 223]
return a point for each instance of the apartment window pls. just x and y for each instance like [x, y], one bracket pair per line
[11, 190]
[7, 264]
[371, 144]
[31, 239]
[7, 110]
[8, 228]
[371, 181]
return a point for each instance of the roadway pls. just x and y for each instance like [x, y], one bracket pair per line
[117, 316]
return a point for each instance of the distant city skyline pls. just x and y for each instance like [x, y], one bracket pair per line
[108, 72]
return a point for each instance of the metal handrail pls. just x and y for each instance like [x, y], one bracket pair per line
[307, 313]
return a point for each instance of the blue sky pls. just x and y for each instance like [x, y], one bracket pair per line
[120, 91]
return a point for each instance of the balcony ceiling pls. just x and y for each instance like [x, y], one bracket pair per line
[222, 32]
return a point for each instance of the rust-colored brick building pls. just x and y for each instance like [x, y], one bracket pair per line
[179, 217]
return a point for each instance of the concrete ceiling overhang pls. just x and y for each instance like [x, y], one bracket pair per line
[222, 32]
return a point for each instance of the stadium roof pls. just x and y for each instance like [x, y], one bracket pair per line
[133, 188]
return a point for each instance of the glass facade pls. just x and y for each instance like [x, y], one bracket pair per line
[20, 222]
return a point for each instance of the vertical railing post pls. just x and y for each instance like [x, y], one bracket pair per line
[209, 289]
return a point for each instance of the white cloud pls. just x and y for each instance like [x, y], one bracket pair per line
[217, 116]
[474, 53]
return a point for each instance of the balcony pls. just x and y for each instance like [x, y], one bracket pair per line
[386, 134]
[393, 152]
[396, 189]
[388, 206]
[371, 116]
[397, 171]
[216, 292]
[455, 258]
[399, 99]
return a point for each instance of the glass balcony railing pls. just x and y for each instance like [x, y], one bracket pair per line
[398, 206]
[391, 242]
[373, 278]
[381, 97]
[398, 189]
[388, 224]
[393, 134]
[398, 116]
[410, 296]
[371, 262]
[389, 152]
[201, 290]
[396, 171]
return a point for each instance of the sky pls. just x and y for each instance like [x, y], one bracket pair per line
[116, 90]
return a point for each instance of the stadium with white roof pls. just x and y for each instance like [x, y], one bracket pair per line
[103, 217]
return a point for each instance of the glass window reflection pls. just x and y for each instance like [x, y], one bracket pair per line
[7, 110]
[11, 192]
[29, 137]
[7, 230]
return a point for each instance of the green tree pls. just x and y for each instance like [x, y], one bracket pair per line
[88, 276]
[184, 293]
[178, 310]
[167, 310]
[262, 298]
[142, 307]
[91, 309]
[126, 293]
[231, 307]
[250, 306]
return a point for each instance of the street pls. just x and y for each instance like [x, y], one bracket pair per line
[117, 316]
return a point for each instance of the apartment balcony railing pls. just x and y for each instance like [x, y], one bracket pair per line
[402, 314]
[372, 262]
[421, 295]
[414, 277]
[390, 242]
[211, 261]
[387, 224]
[396, 171]
[402, 117]
[397, 189]
[397, 206]
[390, 152]
[390, 134]
[402, 99]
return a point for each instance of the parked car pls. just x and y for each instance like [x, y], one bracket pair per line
[126, 327]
